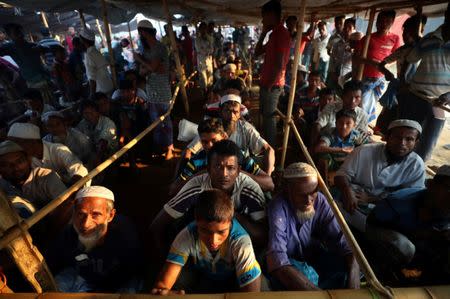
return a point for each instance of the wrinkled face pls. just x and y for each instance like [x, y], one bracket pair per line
[15, 167]
[302, 193]
[213, 234]
[351, 99]
[401, 141]
[208, 139]
[223, 171]
[34, 105]
[384, 23]
[55, 126]
[344, 126]
[91, 216]
[314, 81]
[231, 111]
[348, 29]
[91, 115]
[326, 99]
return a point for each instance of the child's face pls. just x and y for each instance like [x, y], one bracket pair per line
[213, 234]
[344, 126]
[314, 81]
[326, 99]
[208, 139]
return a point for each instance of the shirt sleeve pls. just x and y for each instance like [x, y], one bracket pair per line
[324, 117]
[185, 198]
[108, 132]
[54, 186]
[363, 122]
[351, 165]
[188, 170]
[71, 163]
[326, 139]
[277, 256]
[255, 141]
[91, 69]
[247, 268]
[250, 166]
[417, 175]
[181, 248]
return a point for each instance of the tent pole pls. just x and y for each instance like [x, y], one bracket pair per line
[180, 70]
[83, 20]
[131, 38]
[99, 28]
[366, 42]
[44, 19]
[294, 69]
[108, 43]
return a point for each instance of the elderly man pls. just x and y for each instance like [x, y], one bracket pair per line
[224, 174]
[59, 132]
[99, 251]
[29, 188]
[375, 171]
[300, 223]
[54, 156]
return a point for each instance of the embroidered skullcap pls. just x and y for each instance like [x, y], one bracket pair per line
[299, 170]
[24, 131]
[49, 114]
[444, 170]
[8, 146]
[95, 191]
[229, 98]
[405, 123]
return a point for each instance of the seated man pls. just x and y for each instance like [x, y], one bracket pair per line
[301, 223]
[232, 89]
[334, 146]
[214, 253]
[416, 228]
[29, 189]
[98, 252]
[59, 132]
[100, 129]
[351, 98]
[229, 73]
[210, 132]
[35, 103]
[224, 174]
[54, 156]
[241, 132]
[373, 172]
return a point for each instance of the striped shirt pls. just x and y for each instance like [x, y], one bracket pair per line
[235, 257]
[247, 196]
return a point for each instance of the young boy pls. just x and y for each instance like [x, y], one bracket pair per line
[214, 252]
[334, 147]
[326, 96]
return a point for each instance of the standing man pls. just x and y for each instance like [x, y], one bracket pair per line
[187, 46]
[204, 48]
[276, 57]
[320, 54]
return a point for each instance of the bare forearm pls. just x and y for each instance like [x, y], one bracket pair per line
[264, 181]
[254, 286]
[315, 132]
[353, 272]
[293, 280]
[269, 160]
[323, 149]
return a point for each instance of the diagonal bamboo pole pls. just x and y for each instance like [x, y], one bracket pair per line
[362, 261]
[300, 25]
[112, 63]
[25, 224]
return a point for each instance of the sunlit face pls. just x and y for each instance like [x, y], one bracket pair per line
[401, 141]
[91, 115]
[344, 125]
[302, 193]
[208, 139]
[223, 172]
[55, 126]
[231, 111]
[15, 167]
[351, 99]
[213, 234]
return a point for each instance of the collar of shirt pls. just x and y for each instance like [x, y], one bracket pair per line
[345, 141]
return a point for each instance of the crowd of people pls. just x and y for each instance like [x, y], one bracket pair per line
[226, 224]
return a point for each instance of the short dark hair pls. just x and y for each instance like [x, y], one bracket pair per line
[225, 148]
[352, 85]
[314, 74]
[337, 18]
[33, 94]
[211, 125]
[413, 22]
[125, 84]
[346, 113]
[88, 104]
[327, 91]
[322, 23]
[351, 21]
[272, 6]
[293, 18]
[151, 31]
[388, 13]
[214, 206]
[234, 84]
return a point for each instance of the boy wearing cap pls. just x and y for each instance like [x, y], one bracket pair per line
[99, 251]
[301, 223]
[214, 251]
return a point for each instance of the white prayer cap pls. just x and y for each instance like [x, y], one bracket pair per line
[299, 170]
[88, 34]
[24, 131]
[49, 114]
[229, 98]
[144, 24]
[405, 123]
[8, 146]
[444, 170]
[230, 67]
[95, 191]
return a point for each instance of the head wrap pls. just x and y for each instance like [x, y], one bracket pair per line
[229, 98]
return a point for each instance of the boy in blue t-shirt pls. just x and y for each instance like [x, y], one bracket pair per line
[333, 147]
[214, 252]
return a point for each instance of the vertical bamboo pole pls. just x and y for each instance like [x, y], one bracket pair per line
[180, 70]
[83, 20]
[99, 28]
[108, 43]
[366, 42]
[131, 38]
[294, 69]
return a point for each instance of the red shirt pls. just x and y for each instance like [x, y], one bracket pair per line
[380, 47]
[186, 43]
[278, 44]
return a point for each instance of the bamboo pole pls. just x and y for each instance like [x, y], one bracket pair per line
[44, 19]
[108, 43]
[366, 43]
[99, 28]
[180, 70]
[362, 261]
[419, 10]
[25, 224]
[300, 25]
[83, 20]
[31, 37]
[131, 38]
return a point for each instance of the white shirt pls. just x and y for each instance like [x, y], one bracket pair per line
[367, 168]
[327, 117]
[60, 159]
[97, 70]
[76, 141]
[320, 49]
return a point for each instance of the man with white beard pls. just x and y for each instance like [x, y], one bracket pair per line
[99, 251]
[307, 249]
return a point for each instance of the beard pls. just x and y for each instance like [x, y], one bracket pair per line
[229, 126]
[305, 216]
[91, 240]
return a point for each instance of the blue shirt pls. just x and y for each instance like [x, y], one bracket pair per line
[290, 238]
[354, 139]
[235, 257]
